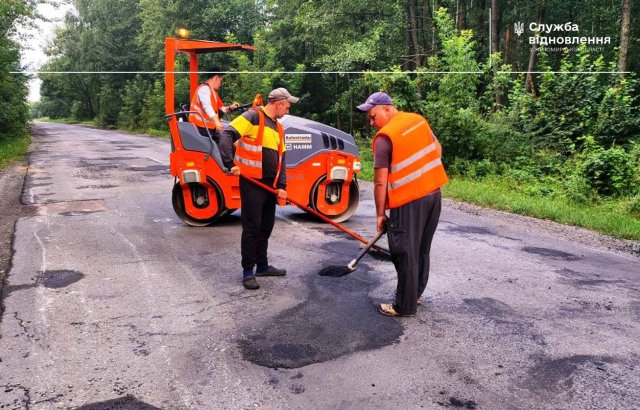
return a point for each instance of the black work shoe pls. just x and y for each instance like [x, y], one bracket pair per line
[272, 271]
[250, 283]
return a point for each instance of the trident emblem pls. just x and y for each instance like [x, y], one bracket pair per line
[518, 28]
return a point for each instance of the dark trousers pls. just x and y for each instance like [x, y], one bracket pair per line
[410, 230]
[258, 216]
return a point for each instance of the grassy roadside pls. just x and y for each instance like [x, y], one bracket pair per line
[13, 149]
[610, 218]
[70, 121]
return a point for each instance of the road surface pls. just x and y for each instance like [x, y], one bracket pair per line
[112, 302]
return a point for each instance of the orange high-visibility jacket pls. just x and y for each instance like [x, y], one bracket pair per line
[196, 105]
[249, 150]
[416, 165]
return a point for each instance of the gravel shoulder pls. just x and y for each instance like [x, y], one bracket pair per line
[570, 233]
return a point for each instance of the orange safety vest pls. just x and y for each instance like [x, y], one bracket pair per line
[249, 151]
[416, 164]
[203, 120]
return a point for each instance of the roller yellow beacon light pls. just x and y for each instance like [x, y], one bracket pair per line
[183, 32]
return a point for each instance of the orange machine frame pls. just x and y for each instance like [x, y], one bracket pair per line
[223, 189]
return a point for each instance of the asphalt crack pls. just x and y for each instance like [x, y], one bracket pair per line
[25, 329]
[26, 401]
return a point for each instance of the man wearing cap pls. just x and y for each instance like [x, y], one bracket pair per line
[260, 154]
[408, 174]
[208, 105]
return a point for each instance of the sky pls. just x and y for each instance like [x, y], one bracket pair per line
[37, 37]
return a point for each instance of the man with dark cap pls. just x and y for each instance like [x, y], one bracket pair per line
[260, 154]
[408, 174]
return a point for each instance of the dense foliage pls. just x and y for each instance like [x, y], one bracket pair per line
[13, 87]
[571, 135]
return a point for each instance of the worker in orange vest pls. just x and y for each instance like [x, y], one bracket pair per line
[260, 154]
[408, 174]
[208, 105]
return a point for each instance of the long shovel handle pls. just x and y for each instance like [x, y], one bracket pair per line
[354, 263]
[318, 214]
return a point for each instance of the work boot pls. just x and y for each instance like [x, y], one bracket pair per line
[388, 309]
[269, 271]
[250, 283]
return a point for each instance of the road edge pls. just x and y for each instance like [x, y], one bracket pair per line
[572, 233]
[12, 184]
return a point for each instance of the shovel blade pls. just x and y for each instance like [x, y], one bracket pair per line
[335, 271]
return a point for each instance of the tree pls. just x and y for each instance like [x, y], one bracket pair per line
[624, 36]
[534, 51]
[13, 87]
[495, 26]
[330, 35]
[102, 37]
[415, 49]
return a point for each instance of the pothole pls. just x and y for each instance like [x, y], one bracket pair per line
[54, 279]
[71, 208]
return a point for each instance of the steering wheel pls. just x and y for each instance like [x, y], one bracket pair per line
[242, 108]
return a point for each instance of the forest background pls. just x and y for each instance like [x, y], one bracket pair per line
[536, 103]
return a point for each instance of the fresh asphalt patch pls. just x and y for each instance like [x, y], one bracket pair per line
[556, 374]
[551, 253]
[125, 403]
[338, 318]
[55, 279]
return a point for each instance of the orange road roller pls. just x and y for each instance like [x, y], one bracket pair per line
[322, 161]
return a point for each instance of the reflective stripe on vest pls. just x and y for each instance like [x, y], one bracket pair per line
[415, 174]
[413, 158]
[249, 147]
[249, 163]
[203, 120]
[416, 165]
[411, 129]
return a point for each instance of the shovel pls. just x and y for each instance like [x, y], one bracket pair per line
[338, 271]
[354, 235]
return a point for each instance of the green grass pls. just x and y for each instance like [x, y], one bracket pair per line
[12, 149]
[366, 159]
[158, 133]
[610, 218]
[70, 121]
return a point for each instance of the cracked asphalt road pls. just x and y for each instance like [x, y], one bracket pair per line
[112, 302]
